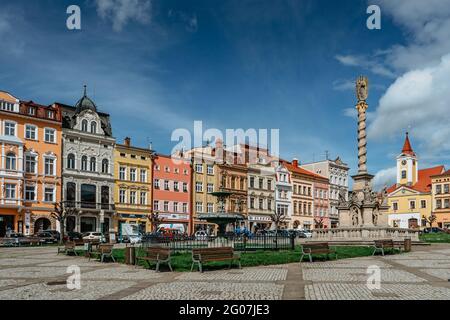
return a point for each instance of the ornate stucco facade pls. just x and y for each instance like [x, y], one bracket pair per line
[283, 194]
[88, 167]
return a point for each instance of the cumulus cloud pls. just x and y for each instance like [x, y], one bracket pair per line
[383, 178]
[120, 12]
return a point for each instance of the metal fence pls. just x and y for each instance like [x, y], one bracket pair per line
[239, 243]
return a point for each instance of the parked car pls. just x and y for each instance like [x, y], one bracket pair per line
[301, 234]
[201, 235]
[72, 236]
[94, 236]
[55, 233]
[307, 233]
[46, 237]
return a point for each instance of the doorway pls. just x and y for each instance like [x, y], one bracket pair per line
[42, 224]
[6, 223]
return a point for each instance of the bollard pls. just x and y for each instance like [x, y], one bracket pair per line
[407, 245]
[130, 254]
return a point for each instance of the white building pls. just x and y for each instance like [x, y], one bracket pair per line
[283, 193]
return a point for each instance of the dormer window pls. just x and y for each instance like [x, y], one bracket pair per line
[93, 127]
[31, 111]
[84, 125]
[50, 114]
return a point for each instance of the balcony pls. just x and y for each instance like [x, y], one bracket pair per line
[90, 205]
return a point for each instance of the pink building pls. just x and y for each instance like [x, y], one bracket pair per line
[321, 211]
[172, 193]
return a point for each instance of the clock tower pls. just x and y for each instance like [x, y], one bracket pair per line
[407, 166]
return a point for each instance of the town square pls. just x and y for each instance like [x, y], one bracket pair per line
[255, 151]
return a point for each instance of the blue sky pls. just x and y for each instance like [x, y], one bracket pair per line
[157, 65]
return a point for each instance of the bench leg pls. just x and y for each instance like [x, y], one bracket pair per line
[374, 251]
[310, 258]
[301, 258]
[240, 266]
[112, 258]
[170, 266]
[192, 267]
[200, 267]
[157, 266]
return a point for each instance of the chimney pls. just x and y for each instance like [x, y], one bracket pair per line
[295, 162]
[127, 141]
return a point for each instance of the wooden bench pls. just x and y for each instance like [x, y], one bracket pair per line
[103, 251]
[381, 245]
[203, 255]
[158, 255]
[69, 247]
[308, 249]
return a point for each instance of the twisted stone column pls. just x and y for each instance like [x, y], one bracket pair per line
[362, 137]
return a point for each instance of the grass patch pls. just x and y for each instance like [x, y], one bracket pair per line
[182, 262]
[435, 237]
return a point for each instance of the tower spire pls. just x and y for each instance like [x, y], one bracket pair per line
[85, 90]
[407, 149]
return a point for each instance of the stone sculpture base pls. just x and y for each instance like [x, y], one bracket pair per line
[364, 235]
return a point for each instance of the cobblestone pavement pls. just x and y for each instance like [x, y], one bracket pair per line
[39, 273]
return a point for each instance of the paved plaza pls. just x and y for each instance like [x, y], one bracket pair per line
[38, 273]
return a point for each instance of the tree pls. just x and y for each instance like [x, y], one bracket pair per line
[429, 220]
[319, 222]
[277, 217]
[60, 214]
[154, 220]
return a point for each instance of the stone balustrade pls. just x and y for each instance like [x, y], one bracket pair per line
[365, 234]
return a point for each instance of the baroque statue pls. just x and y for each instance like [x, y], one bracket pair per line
[362, 88]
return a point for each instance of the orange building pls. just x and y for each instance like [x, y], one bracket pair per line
[30, 170]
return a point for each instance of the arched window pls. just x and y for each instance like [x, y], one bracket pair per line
[84, 163]
[105, 166]
[93, 127]
[71, 161]
[93, 164]
[84, 125]
[11, 161]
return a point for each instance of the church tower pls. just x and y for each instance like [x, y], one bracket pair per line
[407, 166]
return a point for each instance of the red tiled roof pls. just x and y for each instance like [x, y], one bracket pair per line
[302, 171]
[424, 182]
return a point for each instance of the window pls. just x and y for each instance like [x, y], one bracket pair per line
[133, 174]
[261, 183]
[30, 164]
[105, 197]
[199, 168]
[439, 204]
[438, 189]
[31, 111]
[210, 207]
[30, 132]
[49, 166]
[71, 189]
[11, 161]
[10, 128]
[7, 106]
[446, 203]
[166, 185]
[122, 196]
[167, 169]
[10, 191]
[176, 171]
[157, 168]
[185, 187]
[122, 173]
[84, 163]
[93, 127]
[185, 171]
[166, 206]
[423, 204]
[156, 183]
[71, 161]
[261, 204]
[403, 174]
[185, 208]
[88, 196]
[105, 166]
[269, 204]
[84, 125]
[252, 182]
[446, 188]
[50, 135]
[199, 207]
[210, 169]
[156, 205]
[133, 197]
[143, 198]
[252, 203]
[269, 184]
[412, 205]
[93, 164]
[50, 114]
[49, 193]
[176, 186]
[175, 207]
[210, 188]
[199, 187]
[143, 175]
[30, 193]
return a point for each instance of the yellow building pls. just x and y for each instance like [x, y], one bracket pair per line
[410, 199]
[133, 193]
[441, 199]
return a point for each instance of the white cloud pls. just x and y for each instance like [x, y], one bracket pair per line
[120, 12]
[385, 177]
[367, 62]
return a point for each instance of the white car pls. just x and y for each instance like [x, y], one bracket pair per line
[201, 235]
[307, 233]
[94, 236]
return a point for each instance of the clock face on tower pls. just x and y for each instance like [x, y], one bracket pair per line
[404, 162]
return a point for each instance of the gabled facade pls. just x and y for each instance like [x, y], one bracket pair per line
[88, 167]
[133, 192]
[30, 135]
[410, 199]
